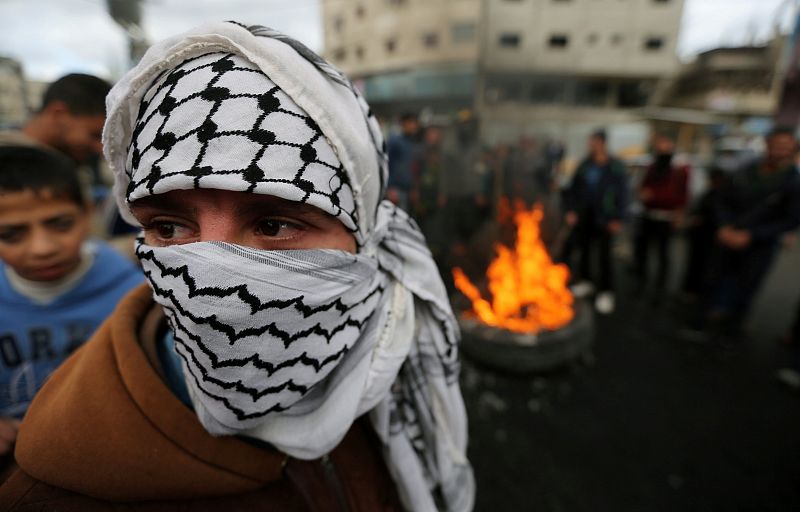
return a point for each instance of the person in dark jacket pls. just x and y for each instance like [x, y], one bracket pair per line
[663, 193]
[757, 208]
[403, 149]
[700, 232]
[596, 202]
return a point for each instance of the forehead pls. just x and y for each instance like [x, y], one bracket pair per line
[782, 138]
[196, 201]
[216, 121]
[90, 121]
[29, 206]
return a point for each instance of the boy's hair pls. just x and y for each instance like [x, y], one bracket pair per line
[599, 135]
[780, 131]
[84, 95]
[408, 116]
[30, 168]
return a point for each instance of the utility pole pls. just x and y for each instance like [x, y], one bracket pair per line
[480, 73]
[128, 15]
[787, 111]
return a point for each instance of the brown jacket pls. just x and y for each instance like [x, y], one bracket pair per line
[105, 433]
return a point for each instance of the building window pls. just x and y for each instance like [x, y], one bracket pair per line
[396, 3]
[591, 93]
[617, 39]
[509, 40]
[547, 90]
[591, 39]
[390, 45]
[360, 11]
[559, 41]
[661, 1]
[463, 32]
[502, 89]
[339, 54]
[632, 94]
[338, 24]
[360, 52]
[430, 39]
[653, 43]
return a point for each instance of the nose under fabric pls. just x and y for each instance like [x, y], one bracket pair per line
[217, 121]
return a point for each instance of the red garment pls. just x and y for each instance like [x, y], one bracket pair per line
[668, 190]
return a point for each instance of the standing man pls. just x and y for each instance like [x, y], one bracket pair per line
[402, 151]
[70, 119]
[430, 199]
[663, 193]
[595, 206]
[760, 205]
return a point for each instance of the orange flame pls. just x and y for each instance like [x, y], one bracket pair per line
[529, 292]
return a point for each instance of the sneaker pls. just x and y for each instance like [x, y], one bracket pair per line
[582, 289]
[604, 303]
[789, 377]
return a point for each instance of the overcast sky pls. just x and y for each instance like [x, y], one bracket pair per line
[54, 37]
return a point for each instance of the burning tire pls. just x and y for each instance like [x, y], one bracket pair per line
[529, 353]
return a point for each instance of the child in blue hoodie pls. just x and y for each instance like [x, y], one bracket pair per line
[55, 286]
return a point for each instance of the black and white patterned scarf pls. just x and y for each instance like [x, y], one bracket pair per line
[292, 346]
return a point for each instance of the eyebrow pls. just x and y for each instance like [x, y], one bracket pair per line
[279, 206]
[252, 203]
[162, 202]
[47, 221]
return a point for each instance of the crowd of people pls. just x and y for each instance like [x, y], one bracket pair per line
[733, 229]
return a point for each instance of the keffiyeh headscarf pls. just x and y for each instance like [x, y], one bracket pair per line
[290, 347]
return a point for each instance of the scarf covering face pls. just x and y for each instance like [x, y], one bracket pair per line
[290, 347]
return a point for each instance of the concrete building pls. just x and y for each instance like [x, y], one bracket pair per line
[19, 97]
[732, 92]
[555, 68]
[14, 105]
[406, 54]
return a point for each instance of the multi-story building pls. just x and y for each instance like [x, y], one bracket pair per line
[406, 54]
[560, 68]
[18, 97]
[14, 106]
[732, 92]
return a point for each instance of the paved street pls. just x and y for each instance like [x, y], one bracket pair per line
[654, 423]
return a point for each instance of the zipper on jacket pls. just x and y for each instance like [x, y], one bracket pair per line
[329, 468]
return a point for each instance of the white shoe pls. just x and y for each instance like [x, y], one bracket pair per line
[582, 289]
[604, 303]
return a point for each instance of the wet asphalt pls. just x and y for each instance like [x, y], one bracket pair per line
[651, 421]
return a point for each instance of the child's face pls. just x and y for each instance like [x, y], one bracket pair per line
[41, 234]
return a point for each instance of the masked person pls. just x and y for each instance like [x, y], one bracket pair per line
[294, 349]
[663, 193]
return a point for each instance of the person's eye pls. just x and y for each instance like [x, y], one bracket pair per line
[11, 236]
[62, 224]
[277, 228]
[166, 232]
